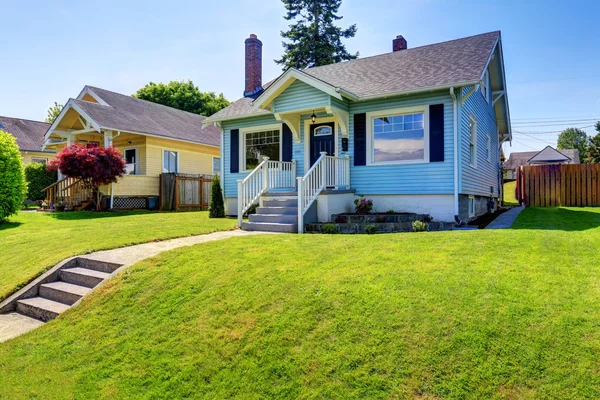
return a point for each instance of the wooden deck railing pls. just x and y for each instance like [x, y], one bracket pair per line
[67, 191]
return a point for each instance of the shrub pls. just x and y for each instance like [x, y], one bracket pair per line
[38, 177]
[419, 226]
[380, 219]
[12, 182]
[370, 229]
[330, 229]
[341, 219]
[427, 218]
[390, 211]
[217, 206]
[363, 205]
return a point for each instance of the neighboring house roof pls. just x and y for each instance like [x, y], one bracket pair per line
[29, 134]
[126, 113]
[441, 65]
[547, 155]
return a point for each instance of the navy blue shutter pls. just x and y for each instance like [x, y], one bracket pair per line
[436, 133]
[360, 139]
[286, 143]
[234, 160]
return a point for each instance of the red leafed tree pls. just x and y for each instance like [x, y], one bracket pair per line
[92, 164]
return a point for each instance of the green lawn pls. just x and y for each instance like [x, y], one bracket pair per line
[509, 194]
[32, 242]
[466, 314]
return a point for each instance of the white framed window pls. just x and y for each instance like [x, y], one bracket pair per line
[259, 142]
[488, 149]
[216, 166]
[398, 136]
[485, 88]
[130, 155]
[472, 141]
[471, 206]
[40, 160]
[323, 131]
[170, 161]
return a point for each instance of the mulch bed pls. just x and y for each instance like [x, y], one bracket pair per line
[485, 220]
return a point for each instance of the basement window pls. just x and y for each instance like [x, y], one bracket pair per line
[471, 206]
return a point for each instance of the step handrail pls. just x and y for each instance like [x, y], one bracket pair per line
[327, 171]
[267, 175]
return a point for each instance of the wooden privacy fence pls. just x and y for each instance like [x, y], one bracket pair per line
[575, 185]
[184, 192]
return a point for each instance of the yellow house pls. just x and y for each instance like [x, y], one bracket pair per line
[30, 137]
[154, 139]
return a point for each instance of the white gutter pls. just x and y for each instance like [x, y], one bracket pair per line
[455, 112]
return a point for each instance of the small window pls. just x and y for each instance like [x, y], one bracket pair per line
[40, 160]
[259, 145]
[473, 141]
[130, 156]
[471, 206]
[216, 167]
[488, 150]
[170, 161]
[323, 131]
[398, 138]
[485, 86]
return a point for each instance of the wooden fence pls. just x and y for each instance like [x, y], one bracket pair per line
[184, 192]
[575, 185]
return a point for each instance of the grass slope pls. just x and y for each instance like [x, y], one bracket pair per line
[473, 314]
[509, 194]
[33, 242]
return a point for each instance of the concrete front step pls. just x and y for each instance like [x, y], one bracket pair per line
[276, 218]
[82, 276]
[277, 210]
[97, 265]
[280, 202]
[40, 308]
[269, 227]
[280, 194]
[63, 292]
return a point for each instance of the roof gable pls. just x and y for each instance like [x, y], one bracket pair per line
[29, 134]
[549, 154]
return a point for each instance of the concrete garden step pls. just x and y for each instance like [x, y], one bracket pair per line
[82, 276]
[97, 265]
[280, 202]
[269, 227]
[40, 308]
[280, 194]
[277, 210]
[277, 218]
[63, 292]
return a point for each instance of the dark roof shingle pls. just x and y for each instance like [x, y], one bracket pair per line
[29, 134]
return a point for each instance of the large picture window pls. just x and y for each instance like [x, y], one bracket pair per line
[398, 138]
[261, 144]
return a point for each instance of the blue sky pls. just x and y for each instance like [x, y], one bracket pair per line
[51, 49]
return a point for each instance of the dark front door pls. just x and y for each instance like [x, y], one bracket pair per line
[322, 138]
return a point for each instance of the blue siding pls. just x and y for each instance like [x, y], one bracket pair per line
[477, 180]
[426, 178]
[300, 96]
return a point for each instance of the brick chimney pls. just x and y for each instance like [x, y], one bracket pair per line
[399, 43]
[253, 67]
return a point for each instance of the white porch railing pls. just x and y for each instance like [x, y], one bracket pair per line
[267, 175]
[326, 172]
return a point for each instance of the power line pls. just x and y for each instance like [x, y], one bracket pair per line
[533, 137]
[561, 121]
[544, 132]
[523, 144]
[555, 117]
[531, 125]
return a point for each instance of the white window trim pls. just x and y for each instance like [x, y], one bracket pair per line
[39, 160]
[306, 134]
[489, 147]
[471, 201]
[393, 112]
[486, 86]
[162, 166]
[213, 165]
[137, 155]
[253, 129]
[473, 162]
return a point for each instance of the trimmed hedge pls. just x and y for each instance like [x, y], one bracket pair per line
[38, 177]
[12, 182]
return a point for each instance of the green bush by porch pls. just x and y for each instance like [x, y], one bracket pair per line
[38, 177]
[12, 182]
[473, 314]
[33, 242]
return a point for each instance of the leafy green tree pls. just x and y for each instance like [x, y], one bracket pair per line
[313, 38]
[183, 96]
[217, 207]
[593, 154]
[574, 138]
[53, 112]
[12, 182]
[38, 177]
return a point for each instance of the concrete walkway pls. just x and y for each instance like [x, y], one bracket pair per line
[14, 324]
[506, 219]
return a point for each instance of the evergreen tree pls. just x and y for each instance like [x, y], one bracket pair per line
[593, 155]
[314, 39]
[217, 207]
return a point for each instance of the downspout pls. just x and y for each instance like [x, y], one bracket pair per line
[112, 191]
[455, 112]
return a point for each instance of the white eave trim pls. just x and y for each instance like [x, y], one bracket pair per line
[70, 104]
[87, 90]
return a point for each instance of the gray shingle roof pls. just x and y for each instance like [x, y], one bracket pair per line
[29, 134]
[127, 113]
[436, 65]
[517, 159]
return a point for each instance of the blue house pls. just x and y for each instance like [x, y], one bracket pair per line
[415, 130]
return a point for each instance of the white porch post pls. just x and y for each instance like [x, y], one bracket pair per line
[240, 201]
[347, 170]
[300, 205]
[324, 169]
[294, 173]
[265, 175]
[108, 136]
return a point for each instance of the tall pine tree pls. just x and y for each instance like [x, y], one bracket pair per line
[593, 155]
[313, 38]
